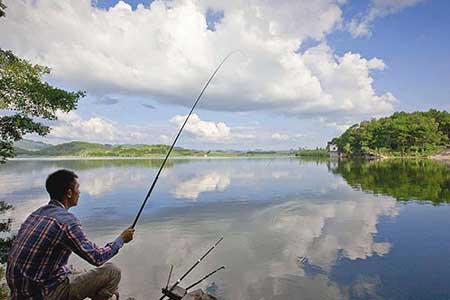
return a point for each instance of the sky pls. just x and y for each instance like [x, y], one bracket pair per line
[305, 70]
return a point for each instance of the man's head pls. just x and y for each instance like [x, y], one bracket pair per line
[63, 186]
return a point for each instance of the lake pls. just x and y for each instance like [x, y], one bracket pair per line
[292, 228]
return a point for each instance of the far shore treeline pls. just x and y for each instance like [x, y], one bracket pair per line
[28, 148]
[402, 134]
[417, 134]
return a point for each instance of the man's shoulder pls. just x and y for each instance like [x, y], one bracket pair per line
[60, 214]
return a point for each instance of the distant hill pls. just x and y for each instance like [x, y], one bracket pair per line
[85, 149]
[30, 145]
[74, 149]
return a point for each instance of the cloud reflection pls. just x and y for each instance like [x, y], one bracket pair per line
[316, 217]
[261, 247]
[211, 181]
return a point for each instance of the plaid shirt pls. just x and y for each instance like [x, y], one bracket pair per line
[37, 260]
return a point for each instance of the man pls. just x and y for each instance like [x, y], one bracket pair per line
[37, 263]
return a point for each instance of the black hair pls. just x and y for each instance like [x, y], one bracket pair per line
[59, 182]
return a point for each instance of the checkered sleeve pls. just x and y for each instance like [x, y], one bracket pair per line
[77, 241]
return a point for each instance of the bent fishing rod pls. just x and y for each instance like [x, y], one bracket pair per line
[176, 138]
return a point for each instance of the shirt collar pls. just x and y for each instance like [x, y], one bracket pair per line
[57, 203]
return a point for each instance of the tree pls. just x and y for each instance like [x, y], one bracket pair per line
[27, 97]
[402, 134]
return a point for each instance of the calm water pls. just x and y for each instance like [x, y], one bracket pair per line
[292, 229]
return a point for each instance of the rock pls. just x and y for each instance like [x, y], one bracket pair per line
[442, 156]
[198, 295]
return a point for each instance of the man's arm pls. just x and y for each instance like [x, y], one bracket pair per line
[77, 241]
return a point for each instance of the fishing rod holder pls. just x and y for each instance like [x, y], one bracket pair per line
[175, 292]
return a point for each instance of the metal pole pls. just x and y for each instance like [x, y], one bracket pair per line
[170, 275]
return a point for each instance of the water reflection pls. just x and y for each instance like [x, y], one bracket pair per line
[262, 246]
[22, 182]
[206, 182]
[99, 176]
[405, 180]
[289, 225]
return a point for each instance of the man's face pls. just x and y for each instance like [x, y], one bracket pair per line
[74, 193]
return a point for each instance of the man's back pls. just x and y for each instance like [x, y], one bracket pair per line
[37, 263]
[38, 258]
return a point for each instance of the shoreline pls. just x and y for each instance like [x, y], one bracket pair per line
[443, 156]
[51, 158]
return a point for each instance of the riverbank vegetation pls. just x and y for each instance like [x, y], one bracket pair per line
[85, 149]
[417, 134]
[318, 152]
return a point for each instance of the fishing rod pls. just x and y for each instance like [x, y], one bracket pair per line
[178, 135]
[205, 277]
[178, 292]
[168, 291]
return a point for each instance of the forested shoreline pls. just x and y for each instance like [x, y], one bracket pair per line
[416, 134]
[86, 149]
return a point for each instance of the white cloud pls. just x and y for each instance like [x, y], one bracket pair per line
[166, 52]
[203, 129]
[280, 136]
[340, 127]
[244, 136]
[361, 26]
[71, 127]
[376, 64]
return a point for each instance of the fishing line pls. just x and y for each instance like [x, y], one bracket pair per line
[178, 135]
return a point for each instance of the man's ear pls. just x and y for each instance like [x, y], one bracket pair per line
[69, 193]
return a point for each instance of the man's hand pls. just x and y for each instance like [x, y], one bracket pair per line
[127, 235]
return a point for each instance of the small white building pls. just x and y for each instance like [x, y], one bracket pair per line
[333, 148]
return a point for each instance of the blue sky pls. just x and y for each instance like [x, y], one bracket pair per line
[414, 45]
[310, 69]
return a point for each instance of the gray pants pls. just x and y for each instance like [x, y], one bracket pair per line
[97, 284]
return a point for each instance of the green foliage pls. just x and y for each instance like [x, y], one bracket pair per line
[85, 149]
[318, 152]
[27, 97]
[423, 180]
[402, 134]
